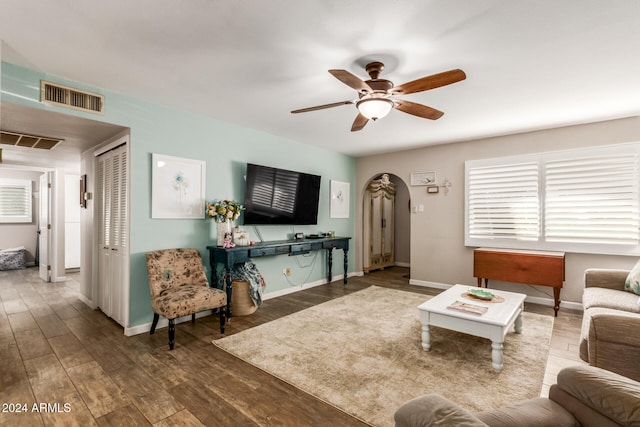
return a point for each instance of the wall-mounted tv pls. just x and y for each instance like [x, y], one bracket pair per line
[279, 196]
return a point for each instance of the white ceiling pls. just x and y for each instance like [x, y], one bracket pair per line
[530, 64]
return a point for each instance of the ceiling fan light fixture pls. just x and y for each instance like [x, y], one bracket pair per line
[374, 108]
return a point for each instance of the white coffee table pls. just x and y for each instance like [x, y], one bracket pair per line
[493, 324]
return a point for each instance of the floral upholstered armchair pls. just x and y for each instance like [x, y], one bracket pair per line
[179, 287]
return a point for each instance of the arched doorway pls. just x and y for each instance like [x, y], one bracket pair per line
[386, 223]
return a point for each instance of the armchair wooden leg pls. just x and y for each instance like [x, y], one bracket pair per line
[156, 316]
[172, 333]
[193, 318]
[222, 319]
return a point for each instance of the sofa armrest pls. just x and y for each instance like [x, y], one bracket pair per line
[612, 395]
[605, 278]
[614, 343]
[434, 410]
[583, 415]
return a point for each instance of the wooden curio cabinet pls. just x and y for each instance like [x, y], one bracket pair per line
[379, 224]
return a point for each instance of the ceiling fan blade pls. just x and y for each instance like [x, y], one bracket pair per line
[322, 107]
[430, 82]
[359, 123]
[418, 110]
[351, 80]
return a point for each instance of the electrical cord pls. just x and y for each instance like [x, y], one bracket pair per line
[258, 234]
[306, 280]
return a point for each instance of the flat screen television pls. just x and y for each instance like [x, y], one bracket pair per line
[278, 196]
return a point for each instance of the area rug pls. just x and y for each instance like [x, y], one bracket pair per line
[362, 353]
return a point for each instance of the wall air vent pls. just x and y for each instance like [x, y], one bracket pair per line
[72, 98]
[29, 141]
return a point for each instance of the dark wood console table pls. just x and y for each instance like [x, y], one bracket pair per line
[239, 254]
[530, 267]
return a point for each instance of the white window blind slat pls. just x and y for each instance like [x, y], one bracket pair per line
[15, 200]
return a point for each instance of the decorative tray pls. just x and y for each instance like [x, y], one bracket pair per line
[481, 293]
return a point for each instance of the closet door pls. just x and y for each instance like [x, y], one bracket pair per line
[113, 235]
[119, 236]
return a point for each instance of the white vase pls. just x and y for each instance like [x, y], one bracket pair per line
[222, 228]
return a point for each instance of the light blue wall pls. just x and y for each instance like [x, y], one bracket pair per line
[227, 149]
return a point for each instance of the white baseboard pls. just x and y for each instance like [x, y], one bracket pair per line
[162, 323]
[88, 302]
[292, 289]
[402, 264]
[429, 284]
[297, 288]
[534, 300]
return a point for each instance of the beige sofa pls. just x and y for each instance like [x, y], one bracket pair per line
[610, 336]
[583, 396]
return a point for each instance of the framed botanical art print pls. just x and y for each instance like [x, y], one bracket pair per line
[339, 199]
[177, 187]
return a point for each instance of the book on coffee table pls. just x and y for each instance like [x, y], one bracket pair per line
[468, 307]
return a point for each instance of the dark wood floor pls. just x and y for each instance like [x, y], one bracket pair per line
[78, 368]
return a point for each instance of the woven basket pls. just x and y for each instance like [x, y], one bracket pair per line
[241, 302]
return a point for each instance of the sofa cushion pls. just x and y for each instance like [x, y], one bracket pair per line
[632, 283]
[609, 298]
[187, 299]
[537, 412]
[434, 410]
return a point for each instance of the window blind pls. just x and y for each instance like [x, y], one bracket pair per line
[15, 200]
[593, 199]
[503, 202]
[584, 200]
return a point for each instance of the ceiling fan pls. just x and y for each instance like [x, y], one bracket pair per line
[375, 95]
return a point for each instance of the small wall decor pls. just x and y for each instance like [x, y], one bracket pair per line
[339, 199]
[446, 184]
[83, 191]
[423, 178]
[177, 187]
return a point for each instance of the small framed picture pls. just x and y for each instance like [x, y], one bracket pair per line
[339, 199]
[423, 178]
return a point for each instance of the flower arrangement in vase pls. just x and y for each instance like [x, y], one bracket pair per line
[223, 212]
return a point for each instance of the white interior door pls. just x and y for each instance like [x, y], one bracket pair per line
[119, 234]
[113, 233]
[103, 198]
[44, 226]
[71, 221]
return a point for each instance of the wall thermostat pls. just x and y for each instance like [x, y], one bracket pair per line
[433, 189]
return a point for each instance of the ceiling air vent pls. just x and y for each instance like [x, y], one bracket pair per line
[29, 141]
[72, 98]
